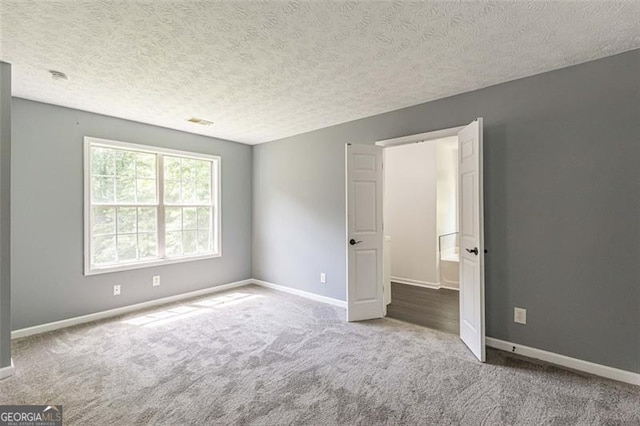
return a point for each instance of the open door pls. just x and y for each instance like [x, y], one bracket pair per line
[471, 239]
[365, 238]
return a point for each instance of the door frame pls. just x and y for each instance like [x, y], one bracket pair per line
[420, 137]
[405, 140]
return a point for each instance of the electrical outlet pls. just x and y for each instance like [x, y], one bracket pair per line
[116, 290]
[520, 315]
[156, 280]
[323, 277]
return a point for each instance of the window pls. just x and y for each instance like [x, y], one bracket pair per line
[146, 206]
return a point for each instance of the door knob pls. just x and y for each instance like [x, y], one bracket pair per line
[354, 242]
[474, 251]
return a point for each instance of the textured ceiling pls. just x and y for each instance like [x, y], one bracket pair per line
[265, 70]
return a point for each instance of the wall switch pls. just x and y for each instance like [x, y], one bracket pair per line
[116, 290]
[520, 315]
[156, 280]
[323, 277]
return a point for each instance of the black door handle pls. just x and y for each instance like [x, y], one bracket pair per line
[354, 242]
[474, 251]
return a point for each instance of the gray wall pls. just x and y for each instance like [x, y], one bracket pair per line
[47, 255]
[5, 214]
[562, 205]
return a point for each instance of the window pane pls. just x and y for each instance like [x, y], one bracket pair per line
[146, 190]
[104, 220]
[189, 242]
[203, 182]
[189, 218]
[172, 191]
[173, 218]
[147, 219]
[204, 240]
[203, 169]
[204, 217]
[171, 168]
[103, 250]
[187, 181]
[125, 190]
[145, 165]
[127, 247]
[125, 163]
[203, 194]
[147, 246]
[189, 191]
[173, 243]
[101, 189]
[189, 169]
[102, 161]
[127, 221]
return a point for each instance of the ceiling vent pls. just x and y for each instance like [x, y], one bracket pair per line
[200, 121]
[58, 75]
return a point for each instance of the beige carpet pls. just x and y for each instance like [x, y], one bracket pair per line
[255, 356]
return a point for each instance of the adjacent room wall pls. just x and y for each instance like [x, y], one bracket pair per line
[47, 210]
[562, 205]
[5, 214]
[411, 175]
[447, 197]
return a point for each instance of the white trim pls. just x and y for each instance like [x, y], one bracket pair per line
[301, 293]
[150, 263]
[43, 328]
[565, 361]
[151, 149]
[216, 209]
[423, 284]
[421, 137]
[7, 371]
[448, 287]
[416, 283]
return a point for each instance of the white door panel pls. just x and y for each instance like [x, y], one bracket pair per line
[365, 239]
[365, 206]
[365, 264]
[472, 321]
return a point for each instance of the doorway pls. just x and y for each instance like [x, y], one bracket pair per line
[421, 233]
[365, 235]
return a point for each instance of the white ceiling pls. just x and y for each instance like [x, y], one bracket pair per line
[266, 70]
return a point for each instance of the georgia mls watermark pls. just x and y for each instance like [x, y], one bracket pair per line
[30, 415]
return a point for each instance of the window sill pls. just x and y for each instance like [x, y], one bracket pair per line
[156, 262]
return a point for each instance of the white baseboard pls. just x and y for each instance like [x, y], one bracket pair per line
[425, 284]
[43, 328]
[565, 361]
[449, 287]
[7, 371]
[306, 294]
[417, 283]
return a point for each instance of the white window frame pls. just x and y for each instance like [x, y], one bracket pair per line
[216, 188]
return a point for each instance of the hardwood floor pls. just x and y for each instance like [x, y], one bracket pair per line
[437, 309]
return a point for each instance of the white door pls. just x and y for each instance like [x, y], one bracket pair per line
[471, 239]
[365, 239]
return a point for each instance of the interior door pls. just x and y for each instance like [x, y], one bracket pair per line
[365, 239]
[471, 239]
